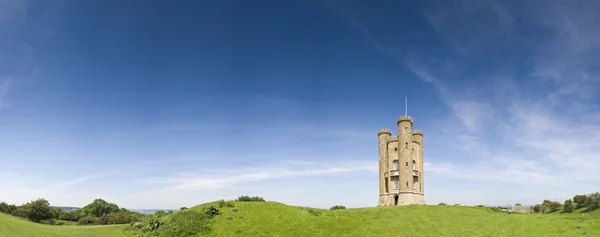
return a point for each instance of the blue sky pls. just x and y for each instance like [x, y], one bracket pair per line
[161, 104]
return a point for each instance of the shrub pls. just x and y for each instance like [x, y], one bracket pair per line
[568, 206]
[121, 217]
[234, 210]
[337, 207]
[480, 206]
[36, 210]
[250, 199]
[212, 211]
[442, 204]
[160, 213]
[580, 200]
[537, 208]
[593, 201]
[8, 209]
[183, 208]
[89, 220]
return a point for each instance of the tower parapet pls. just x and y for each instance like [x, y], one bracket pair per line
[384, 131]
[404, 118]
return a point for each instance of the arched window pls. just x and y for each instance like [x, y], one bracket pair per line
[395, 149]
[406, 183]
[406, 145]
[395, 184]
[407, 163]
[395, 165]
[414, 165]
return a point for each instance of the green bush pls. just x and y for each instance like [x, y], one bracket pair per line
[495, 209]
[183, 208]
[250, 199]
[212, 211]
[89, 220]
[442, 204]
[568, 206]
[36, 211]
[480, 206]
[337, 207]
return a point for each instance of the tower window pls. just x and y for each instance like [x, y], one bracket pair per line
[395, 148]
[405, 128]
[406, 183]
[413, 149]
[406, 145]
[395, 184]
[395, 165]
[407, 163]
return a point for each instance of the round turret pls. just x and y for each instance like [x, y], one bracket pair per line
[384, 131]
[404, 118]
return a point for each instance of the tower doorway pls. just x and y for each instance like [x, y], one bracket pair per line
[396, 200]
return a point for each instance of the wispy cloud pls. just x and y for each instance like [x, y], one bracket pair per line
[244, 176]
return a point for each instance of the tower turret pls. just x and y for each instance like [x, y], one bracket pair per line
[418, 157]
[405, 138]
[383, 135]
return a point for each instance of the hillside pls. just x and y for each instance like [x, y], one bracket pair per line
[275, 219]
[11, 226]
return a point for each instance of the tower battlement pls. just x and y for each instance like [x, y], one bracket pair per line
[417, 132]
[404, 118]
[384, 131]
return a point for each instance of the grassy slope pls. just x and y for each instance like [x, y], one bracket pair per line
[275, 219]
[11, 226]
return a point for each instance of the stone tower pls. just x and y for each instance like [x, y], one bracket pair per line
[401, 165]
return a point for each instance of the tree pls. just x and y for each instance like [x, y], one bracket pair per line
[36, 210]
[580, 200]
[554, 206]
[99, 207]
[568, 206]
[593, 201]
[537, 208]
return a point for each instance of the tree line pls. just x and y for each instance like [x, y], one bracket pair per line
[99, 212]
[589, 201]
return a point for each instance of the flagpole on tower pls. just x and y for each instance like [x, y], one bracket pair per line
[405, 106]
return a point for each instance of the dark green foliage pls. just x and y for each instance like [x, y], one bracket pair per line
[337, 207]
[8, 209]
[234, 210]
[442, 204]
[537, 208]
[212, 211]
[593, 201]
[89, 220]
[518, 204]
[121, 217]
[568, 206]
[580, 200]
[183, 208]
[36, 210]
[99, 207]
[480, 206]
[250, 199]
[71, 216]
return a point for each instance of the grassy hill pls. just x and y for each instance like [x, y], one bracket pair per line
[11, 226]
[276, 219]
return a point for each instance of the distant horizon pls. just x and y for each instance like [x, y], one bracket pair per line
[161, 104]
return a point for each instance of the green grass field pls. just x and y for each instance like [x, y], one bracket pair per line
[276, 219]
[11, 226]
